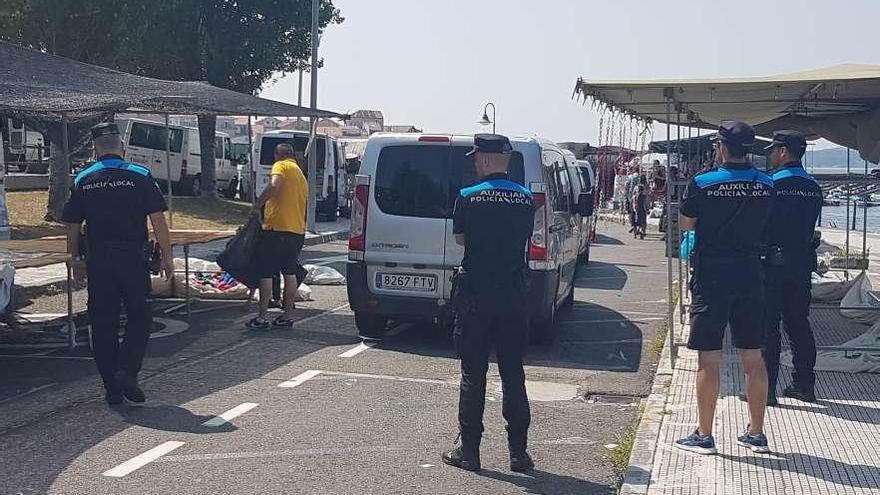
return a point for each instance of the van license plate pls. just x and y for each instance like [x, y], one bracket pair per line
[402, 281]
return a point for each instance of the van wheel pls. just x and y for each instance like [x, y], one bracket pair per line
[544, 332]
[231, 189]
[370, 325]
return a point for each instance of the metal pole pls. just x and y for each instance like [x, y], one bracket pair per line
[669, 230]
[252, 165]
[865, 222]
[846, 226]
[669, 309]
[299, 91]
[313, 158]
[168, 170]
[65, 150]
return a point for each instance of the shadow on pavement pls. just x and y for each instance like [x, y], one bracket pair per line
[34, 457]
[543, 483]
[169, 418]
[841, 473]
[608, 241]
[848, 412]
[589, 336]
[602, 276]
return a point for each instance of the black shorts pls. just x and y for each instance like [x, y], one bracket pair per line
[279, 253]
[710, 315]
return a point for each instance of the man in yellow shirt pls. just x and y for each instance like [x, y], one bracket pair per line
[284, 227]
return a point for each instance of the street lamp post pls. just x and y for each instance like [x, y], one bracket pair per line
[485, 120]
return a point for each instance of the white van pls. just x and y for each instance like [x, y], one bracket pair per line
[402, 250]
[330, 186]
[145, 144]
[583, 222]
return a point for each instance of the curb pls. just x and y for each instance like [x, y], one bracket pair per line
[637, 477]
[325, 238]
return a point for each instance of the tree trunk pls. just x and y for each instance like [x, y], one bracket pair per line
[59, 182]
[207, 131]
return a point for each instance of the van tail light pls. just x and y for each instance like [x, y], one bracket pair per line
[434, 139]
[538, 242]
[357, 241]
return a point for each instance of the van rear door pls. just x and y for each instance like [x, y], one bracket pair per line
[406, 222]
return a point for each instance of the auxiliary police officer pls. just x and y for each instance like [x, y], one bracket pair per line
[114, 199]
[493, 221]
[789, 262]
[728, 207]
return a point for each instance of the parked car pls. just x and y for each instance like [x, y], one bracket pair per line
[330, 184]
[402, 251]
[583, 222]
[146, 142]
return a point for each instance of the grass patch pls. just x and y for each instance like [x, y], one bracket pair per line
[659, 341]
[27, 209]
[619, 455]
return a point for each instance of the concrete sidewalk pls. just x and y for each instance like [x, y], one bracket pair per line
[830, 447]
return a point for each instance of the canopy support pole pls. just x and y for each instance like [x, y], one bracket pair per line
[669, 229]
[313, 148]
[168, 171]
[252, 167]
[865, 223]
[846, 226]
[65, 152]
[670, 328]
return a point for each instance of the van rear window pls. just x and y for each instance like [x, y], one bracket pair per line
[423, 181]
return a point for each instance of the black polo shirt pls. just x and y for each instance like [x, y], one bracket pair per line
[496, 218]
[732, 205]
[114, 198]
[795, 212]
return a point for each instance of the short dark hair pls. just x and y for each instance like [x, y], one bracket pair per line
[284, 150]
[797, 153]
[736, 151]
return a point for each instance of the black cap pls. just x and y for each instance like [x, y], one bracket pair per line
[104, 129]
[491, 143]
[792, 140]
[735, 132]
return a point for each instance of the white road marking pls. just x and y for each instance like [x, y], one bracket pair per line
[354, 351]
[142, 460]
[388, 377]
[230, 415]
[300, 379]
[618, 320]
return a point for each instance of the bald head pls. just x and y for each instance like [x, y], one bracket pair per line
[491, 163]
[284, 151]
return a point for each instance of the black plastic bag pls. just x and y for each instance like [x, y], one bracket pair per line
[239, 258]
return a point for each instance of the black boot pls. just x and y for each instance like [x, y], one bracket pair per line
[771, 399]
[795, 391]
[130, 388]
[464, 455]
[521, 462]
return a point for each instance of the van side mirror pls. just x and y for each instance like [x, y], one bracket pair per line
[585, 204]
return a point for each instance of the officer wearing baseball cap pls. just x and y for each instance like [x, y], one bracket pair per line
[114, 198]
[728, 207]
[790, 259]
[493, 221]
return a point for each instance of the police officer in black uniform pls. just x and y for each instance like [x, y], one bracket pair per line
[728, 207]
[789, 262]
[493, 221]
[114, 199]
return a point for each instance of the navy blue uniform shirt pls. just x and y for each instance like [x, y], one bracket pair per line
[795, 212]
[732, 205]
[496, 218]
[114, 198]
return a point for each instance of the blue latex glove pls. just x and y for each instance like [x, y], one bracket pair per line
[688, 240]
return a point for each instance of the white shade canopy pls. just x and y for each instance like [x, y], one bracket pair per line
[840, 103]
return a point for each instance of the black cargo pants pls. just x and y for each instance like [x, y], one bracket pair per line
[788, 300]
[118, 275]
[476, 332]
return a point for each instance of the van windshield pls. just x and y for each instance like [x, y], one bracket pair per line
[423, 181]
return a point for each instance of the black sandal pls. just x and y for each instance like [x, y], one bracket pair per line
[258, 324]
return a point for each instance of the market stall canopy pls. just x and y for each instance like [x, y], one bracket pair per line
[36, 83]
[700, 144]
[840, 103]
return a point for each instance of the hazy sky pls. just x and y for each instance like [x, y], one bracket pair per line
[435, 63]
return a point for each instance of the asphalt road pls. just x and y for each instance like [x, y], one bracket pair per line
[317, 412]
